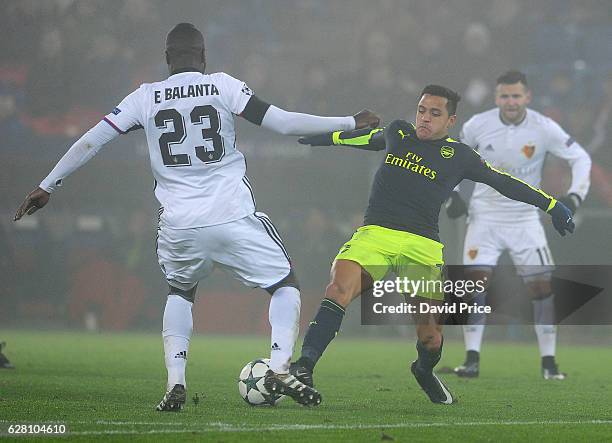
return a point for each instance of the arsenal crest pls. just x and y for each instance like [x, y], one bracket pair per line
[472, 253]
[528, 150]
[446, 151]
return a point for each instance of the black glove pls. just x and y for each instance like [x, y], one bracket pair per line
[455, 206]
[572, 201]
[317, 140]
[562, 218]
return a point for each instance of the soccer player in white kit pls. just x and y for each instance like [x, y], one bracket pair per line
[515, 139]
[207, 216]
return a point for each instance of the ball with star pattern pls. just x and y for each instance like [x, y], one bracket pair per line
[251, 384]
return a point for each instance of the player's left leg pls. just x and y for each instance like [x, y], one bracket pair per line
[429, 350]
[534, 264]
[422, 261]
[255, 254]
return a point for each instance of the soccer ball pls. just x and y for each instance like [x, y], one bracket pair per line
[251, 384]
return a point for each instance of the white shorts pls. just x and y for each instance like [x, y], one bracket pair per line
[250, 249]
[526, 243]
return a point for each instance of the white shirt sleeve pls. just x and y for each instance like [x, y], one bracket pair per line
[127, 116]
[83, 150]
[564, 146]
[295, 123]
[236, 93]
[467, 134]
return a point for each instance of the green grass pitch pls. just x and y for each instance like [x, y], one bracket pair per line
[106, 386]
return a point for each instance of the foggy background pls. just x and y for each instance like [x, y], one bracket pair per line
[87, 261]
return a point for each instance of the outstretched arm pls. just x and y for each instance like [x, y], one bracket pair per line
[367, 139]
[516, 189]
[295, 123]
[83, 150]
[124, 118]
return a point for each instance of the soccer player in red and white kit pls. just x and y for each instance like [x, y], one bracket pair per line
[207, 214]
[515, 139]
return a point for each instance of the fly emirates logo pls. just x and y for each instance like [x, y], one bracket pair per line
[411, 162]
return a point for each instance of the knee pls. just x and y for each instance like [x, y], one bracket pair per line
[430, 339]
[339, 293]
[479, 278]
[539, 288]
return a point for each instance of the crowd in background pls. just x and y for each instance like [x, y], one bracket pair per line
[66, 63]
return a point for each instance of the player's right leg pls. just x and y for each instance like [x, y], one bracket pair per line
[347, 281]
[359, 262]
[182, 258]
[481, 251]
[473, 330]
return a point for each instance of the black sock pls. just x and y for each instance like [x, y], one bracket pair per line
[548, 362]
[427, 360]
[322, 330]
[472, 357]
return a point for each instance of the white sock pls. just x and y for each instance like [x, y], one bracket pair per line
[177, 329]
[546, 331]
[474, 330]
[284, 316]
[472, 336]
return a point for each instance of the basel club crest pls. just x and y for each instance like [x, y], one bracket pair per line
[528, 150]
[472, 253]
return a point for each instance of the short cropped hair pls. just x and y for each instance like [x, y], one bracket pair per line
[512, 77]
[442, 91]
[184, 39]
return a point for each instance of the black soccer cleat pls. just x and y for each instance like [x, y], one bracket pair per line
[432, 385]
[4, 362]
[173, 400]
[287, 384]
[302, 373]
[553, 373]
[467, 370]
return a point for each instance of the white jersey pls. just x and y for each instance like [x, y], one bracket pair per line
[520, 150]
[189, 124]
